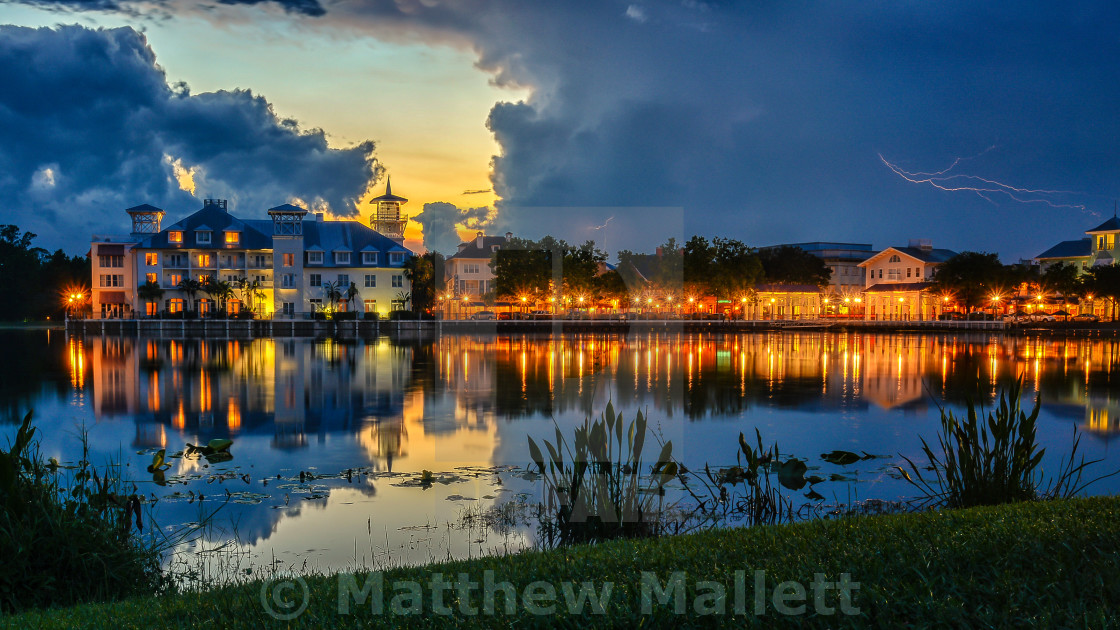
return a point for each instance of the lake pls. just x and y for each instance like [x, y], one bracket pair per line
[331, 438]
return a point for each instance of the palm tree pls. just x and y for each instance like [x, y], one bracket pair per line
[331, 293]
[220, 290]
[351, 295]
[191, 287]
[250, 291]
[150, 292]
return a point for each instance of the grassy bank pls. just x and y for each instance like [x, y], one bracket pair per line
[1053, 563]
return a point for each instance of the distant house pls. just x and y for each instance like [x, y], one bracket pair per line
[467, 272]
[288, 259]
[1099, 248]
[899, 280]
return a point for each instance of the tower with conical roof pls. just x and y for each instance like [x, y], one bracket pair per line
[387, 218]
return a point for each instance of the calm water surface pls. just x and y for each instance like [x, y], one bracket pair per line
[461, 407]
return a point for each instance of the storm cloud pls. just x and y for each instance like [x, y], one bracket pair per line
[440, 221]
[766, 120]
[89, 126]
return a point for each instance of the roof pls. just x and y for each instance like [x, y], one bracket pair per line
[883, 287]
[254, 234]
[287, 207]
[144, 208]
[1069, 249]
[388, 196]
[786, 288]
[927, 255]
[472, 250]
[1111, 225]
[352, 236]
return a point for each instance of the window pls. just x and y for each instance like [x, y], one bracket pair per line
[396, 258]
[342, 258]
[909, 271]
[397, 305]
[880, 272]
[371, 281]
[174, 279]
[260, 261]
[314, 258]
[233, 238]
[370, 305]
[343, 279]
[894, 274]
[369, 258]
[150, 277]
[1109, 241]
[204, 260]
[203, 278]
[175, 236]
[289, 260]
[315, 280]
[175, 305]
[288, 309]
[316, 304]
[288, 280]
[177, 260]
[895, 258]
[151, 259]
[202, 236]
[151, 308]
[111, 261]
[398, 281]
[112, 280]
[470, 268]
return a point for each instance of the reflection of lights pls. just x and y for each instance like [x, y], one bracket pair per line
[233, 415]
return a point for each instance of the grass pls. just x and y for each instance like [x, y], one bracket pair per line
[67, 538]
[1043, 563]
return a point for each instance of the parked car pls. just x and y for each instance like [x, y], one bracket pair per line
[540, 315]
[1043, 317]
[1085, 317]
[980, 316]
[503, 316]
[1011, 317]
[483, 316]
[951, 316]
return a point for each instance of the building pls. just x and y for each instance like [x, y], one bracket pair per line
[843, 261]
[284, 267]
[898, 282]
[1098, 248]
[387, 218]
[467, 272]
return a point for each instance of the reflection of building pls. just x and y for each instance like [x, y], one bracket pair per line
[899, 280]
[284, 265]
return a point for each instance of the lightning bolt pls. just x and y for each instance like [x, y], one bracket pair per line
[986, 188]
[608, 222]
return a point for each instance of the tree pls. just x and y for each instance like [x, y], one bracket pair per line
[1104, 281]
[580, 270]
[735, 269]
[190, 287]
[220, 290]
[523, 266]
[150, 292]
[1062, 278]
[789, 264]
[351, 295]
[422, 273]
[698, 265]
[332, 294]
[972, 277]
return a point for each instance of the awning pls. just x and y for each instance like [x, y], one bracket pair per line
[112, 297]
[110, 250]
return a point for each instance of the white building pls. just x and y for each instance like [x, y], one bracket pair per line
[899, 280]
[282, 267]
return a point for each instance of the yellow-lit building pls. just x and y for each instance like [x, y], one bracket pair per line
[899, 282]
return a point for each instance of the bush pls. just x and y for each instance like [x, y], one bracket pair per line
[995, 460]
[66, 545]
[402, 315]
[346, 315]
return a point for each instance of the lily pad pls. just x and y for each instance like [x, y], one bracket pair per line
[791, 474]
[840, 458]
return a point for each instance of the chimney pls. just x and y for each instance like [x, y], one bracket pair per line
[660, 252]
[509, 235]
[479, 240]
[923, 244]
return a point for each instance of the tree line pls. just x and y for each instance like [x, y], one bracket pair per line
[37, 281]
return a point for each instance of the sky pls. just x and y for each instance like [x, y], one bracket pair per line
[628, 122]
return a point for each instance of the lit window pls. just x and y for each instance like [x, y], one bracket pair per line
[204, 260]
[175, 236]
[289, 260]
[150, 277]
[371, 306]
[151, 259]
[233, 238]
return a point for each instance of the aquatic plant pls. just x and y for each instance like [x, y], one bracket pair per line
[65, 541]
[994, 460]
[596, 486]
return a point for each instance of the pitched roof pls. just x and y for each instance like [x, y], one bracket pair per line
[352, 236]
[927, 255]
[1111, 225]
[898, 286]
[472, 250]
[388, 196]
[144, 207]
[254, 235]
[1069, 249]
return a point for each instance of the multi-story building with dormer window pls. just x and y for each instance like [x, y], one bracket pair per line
[287, 266]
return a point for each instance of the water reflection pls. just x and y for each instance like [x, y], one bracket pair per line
[466, 403]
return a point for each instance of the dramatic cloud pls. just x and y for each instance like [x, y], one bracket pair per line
[440, 221]
[766, 120]
[89, 127]
[303, 7]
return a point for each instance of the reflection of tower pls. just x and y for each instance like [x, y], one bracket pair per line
[387, 218]
[387, 439]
